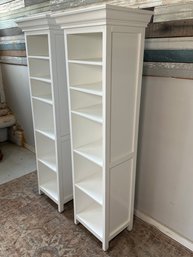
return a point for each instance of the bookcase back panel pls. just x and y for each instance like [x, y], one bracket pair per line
[38, 45]
[80, 74]
[85, 131]
[85, 46]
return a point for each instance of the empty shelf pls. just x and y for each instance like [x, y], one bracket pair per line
[92, 186]
[89, 61]
[92, 152]
[48, 134]
[45, 98]
[39, 57]
[91, 88]
[91, 112]
[50, 189]
[91, 218]
[49, 161]
[44, 78]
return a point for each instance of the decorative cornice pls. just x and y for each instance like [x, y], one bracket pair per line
[37, 22]
[102, 14]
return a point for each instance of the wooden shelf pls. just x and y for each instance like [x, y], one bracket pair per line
[91, 112]
[46, 99]
[91, 88]
[49, 161]
[40, 57]
[92, 152]
[88, 61]
[92, 218]
[50, 189]
[48, 134]
[43, 78]
[92, 186]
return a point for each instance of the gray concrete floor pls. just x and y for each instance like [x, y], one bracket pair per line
[17, 161]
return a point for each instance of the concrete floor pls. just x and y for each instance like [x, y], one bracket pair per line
[17, 161]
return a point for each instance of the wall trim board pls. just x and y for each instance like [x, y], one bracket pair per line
[173, 70]
[29, 147]
[167, 231]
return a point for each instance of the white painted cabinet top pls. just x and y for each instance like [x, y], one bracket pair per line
[101, 15]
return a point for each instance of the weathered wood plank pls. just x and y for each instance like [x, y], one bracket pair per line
[174, 70]
[174, 56]
[13, 53]
[25, 11]
[174, 11]
[5, 1]
[31, 2]
[10, 32]
[12, 46]
[179, 28]
[14, 60]
[11, 5]
[173, 43]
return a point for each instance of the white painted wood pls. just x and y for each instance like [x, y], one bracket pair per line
[120, 203]
[169, 43]
[171, 70]
[167, 231]
[104, 69]
[174, 11]
[46, 62]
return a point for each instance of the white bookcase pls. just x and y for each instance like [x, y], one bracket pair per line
[104, 56]
[47, 77]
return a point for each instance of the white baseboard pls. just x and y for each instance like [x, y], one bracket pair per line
[167, 231]
[30, 148]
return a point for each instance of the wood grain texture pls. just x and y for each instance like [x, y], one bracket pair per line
[32, 2]
[174, 56]
[164, 69]
[169, 12]
[18, 46]
[13, 53]
[179, 28]
[10, 32]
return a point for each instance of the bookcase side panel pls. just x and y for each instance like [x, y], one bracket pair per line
[124, 89]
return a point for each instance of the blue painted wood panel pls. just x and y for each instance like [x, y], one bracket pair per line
[175, 56]
[12, 46]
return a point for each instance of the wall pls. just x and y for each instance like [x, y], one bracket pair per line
[164, 175]
[16, 87]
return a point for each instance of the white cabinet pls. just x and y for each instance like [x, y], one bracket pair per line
[47, 77]
[104, 56]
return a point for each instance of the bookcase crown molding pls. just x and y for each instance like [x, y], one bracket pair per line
[37, 23]
[104, 14]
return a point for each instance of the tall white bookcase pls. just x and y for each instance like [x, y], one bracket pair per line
[104, 56]
[47, 77]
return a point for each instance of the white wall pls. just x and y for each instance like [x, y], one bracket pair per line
[164, 189]
[16, 87]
